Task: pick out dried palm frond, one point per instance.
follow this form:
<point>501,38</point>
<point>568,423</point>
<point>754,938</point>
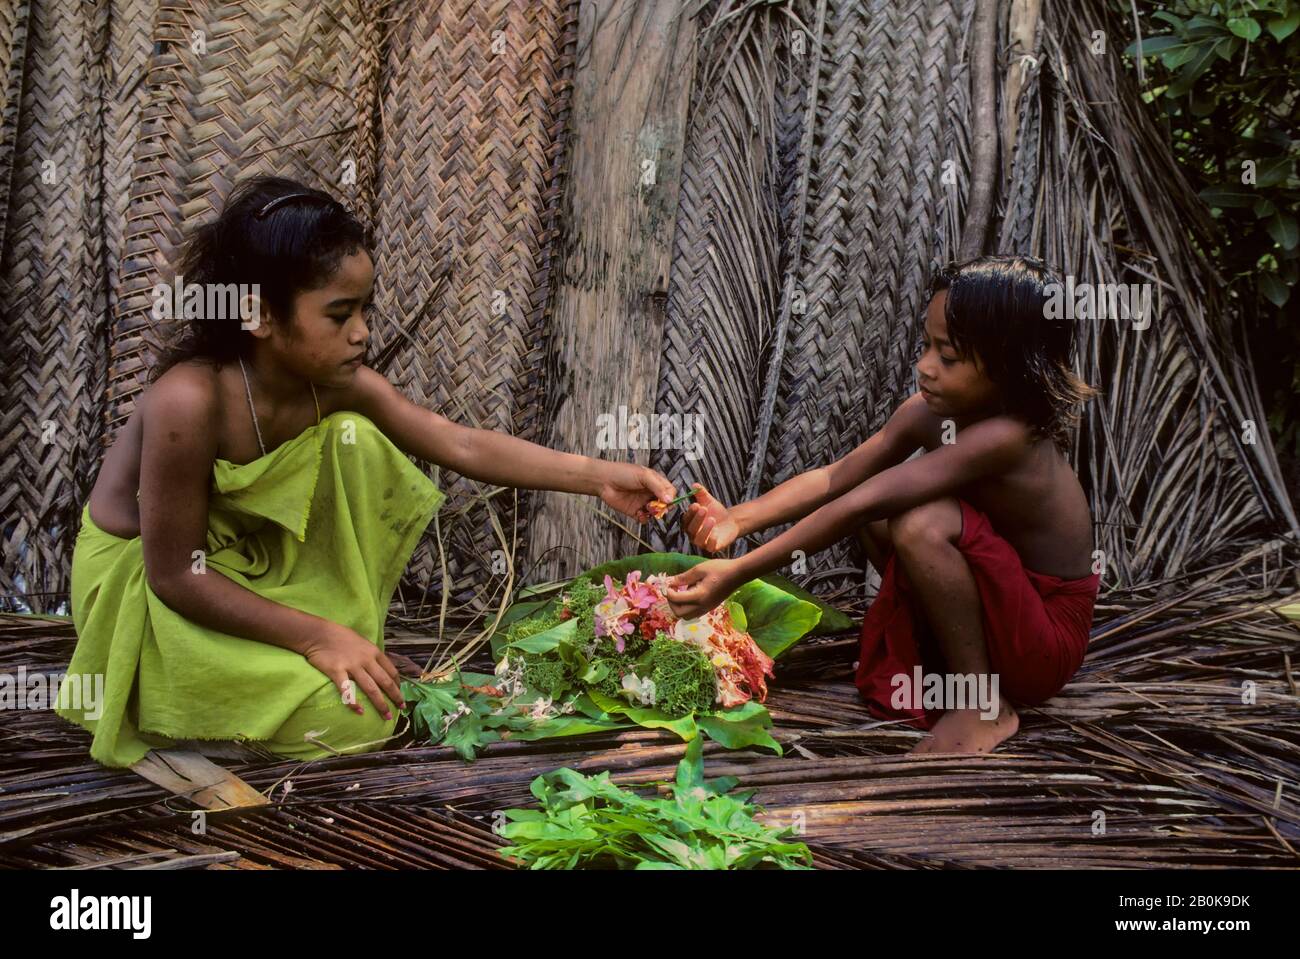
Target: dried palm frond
<point>1174,746</point>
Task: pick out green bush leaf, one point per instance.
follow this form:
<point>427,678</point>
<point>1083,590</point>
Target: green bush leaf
<point>1283,27</point>
<point>1274,171</point>
<point>1153,45</point>
<point>1282,228</point>
<point>1274,289</point>
<point>1247,28</point>
<point>1195,66</point>
<point>1229,196</point>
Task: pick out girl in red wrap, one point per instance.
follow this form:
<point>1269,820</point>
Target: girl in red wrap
<point>984,541</point>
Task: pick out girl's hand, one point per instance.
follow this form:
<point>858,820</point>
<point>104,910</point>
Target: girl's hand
<point>708,523</point>
<point>629,489</point>
<point>696,591</point>
<point>351,661</point>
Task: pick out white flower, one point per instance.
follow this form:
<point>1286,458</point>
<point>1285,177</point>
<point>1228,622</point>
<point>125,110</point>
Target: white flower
<point>503,667</point>
<point>541,709</point>
<point>643,690</point>
<point>696,631</point>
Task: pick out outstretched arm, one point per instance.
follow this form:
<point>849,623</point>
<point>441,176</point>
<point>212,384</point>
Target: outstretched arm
<point>500,459</point>
<point>983,449</point>
<point>713,527</point>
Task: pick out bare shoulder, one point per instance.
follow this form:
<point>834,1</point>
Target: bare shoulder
<point>186,403</point>
<point>1005,432</point>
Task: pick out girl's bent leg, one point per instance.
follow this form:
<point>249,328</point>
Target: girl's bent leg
<point>926,539</point>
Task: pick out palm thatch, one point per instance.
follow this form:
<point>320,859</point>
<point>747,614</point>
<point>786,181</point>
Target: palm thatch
<point>831,160</point>
<point>1152,757</point>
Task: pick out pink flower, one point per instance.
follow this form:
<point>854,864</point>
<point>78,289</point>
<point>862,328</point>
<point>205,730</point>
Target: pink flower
<point>639,595</point>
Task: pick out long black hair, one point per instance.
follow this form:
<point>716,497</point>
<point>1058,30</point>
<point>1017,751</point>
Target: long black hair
<point>996,308</point>
<point>279,234</point>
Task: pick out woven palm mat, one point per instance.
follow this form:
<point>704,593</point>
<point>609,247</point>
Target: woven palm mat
<point>1176,745</point>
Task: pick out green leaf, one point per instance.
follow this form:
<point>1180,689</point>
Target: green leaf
<point>565,726</point>
<point>514,614</point>
<point>1273,171</point>
<point>1263,208</point>
<point>1192,70</point>
<point>776,619</point>
<point>738,616</point>
<point>1283,229</point>
<point>1203,26</point>
<point>683,726</point>
<point>546,640</point>
<point>742,726</point>
<point>690,770</point>
<point>1274,289</point>
<point>1247,28</point>
<point>1283,27</point>
<point>832,620</point>
<point>1153,45</point>
<point>1229,196</point>
<point>1177,56</point>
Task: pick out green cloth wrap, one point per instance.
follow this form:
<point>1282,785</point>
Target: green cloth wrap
<point>324,523</point>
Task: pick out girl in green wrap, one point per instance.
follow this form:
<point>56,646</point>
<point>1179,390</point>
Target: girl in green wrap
<point>247,529</point>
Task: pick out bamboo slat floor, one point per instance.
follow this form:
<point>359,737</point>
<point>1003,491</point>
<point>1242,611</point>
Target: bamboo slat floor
<point>1155,756</point>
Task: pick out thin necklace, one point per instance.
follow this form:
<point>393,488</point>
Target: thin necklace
<point>252,409</point>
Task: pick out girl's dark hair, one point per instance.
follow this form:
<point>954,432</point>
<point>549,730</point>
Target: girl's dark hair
<point>996,308</point>
<point>274,232</point>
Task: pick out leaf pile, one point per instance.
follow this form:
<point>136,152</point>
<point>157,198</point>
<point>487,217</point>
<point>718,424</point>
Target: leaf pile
<point>587,822</point>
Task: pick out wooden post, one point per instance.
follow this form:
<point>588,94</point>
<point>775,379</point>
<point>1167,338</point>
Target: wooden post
<point>635,64</point>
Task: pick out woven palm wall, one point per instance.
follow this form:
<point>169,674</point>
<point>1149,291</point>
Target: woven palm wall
<point>826,173</point>
<point>439,124</point>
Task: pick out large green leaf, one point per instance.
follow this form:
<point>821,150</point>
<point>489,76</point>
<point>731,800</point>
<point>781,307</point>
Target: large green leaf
<point>776,619</point>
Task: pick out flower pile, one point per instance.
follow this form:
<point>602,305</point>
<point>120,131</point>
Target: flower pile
<point>607,653</point>
<point>631,645</point>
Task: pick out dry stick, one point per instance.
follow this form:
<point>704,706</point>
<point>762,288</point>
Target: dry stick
<point>985,154</point>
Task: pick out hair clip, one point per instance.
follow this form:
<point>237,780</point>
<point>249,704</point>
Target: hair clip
<point>281,200</point>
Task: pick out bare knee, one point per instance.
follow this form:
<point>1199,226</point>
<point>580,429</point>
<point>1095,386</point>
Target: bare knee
<point>934,523</point>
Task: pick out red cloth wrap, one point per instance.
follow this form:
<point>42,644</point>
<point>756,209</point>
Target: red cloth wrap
<point>1036,626</point>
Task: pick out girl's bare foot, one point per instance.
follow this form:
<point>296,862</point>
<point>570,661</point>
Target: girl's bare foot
<point>963,731</point>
